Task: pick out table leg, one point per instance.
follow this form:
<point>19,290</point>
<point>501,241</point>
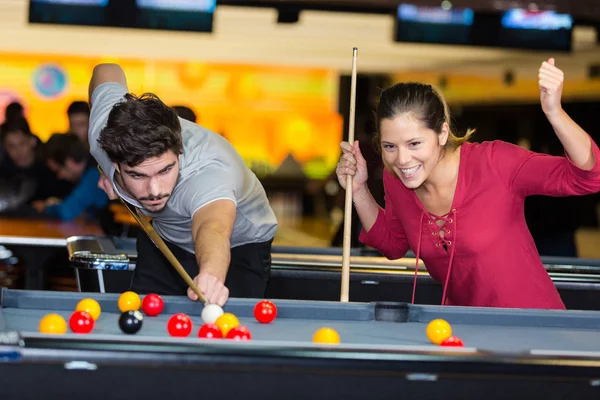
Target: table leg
<point>77,279</point>
<point>101,281</point>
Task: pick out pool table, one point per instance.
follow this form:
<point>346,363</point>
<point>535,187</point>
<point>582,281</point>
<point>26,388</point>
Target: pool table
<point>384,353</point>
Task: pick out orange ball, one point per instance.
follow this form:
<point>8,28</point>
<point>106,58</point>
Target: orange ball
<point>326,335</point>
<point>53,323</point>
<point>438,330</point>
<point>129,301</point>
<point>227,322</point>
<point>90,306</point>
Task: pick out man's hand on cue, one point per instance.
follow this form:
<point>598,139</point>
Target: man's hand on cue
<point>212,287</point>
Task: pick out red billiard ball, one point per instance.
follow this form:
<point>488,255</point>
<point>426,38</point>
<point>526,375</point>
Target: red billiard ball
<point>153,305</point>
<point>210,331</point>
<point>265,311</point>
<point>81,322</point>
<point>453,341</point>
<point>179,325</point>
<point>239,333</point>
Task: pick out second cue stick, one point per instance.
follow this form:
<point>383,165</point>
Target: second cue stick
<point>347,243</point>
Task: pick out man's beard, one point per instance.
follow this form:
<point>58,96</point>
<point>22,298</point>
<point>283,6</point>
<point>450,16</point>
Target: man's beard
<point>154,198</point>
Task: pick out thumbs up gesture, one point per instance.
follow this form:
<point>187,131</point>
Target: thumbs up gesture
<point>551,81</point>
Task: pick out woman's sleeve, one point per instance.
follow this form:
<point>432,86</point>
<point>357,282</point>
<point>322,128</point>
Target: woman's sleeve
<point>528,173</point>
<point>387,235</point>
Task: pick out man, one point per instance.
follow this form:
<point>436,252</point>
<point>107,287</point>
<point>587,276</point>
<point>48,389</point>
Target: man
<point>13,111</point>
<point>79,119</point>
<point>67,157</point>
<point>205,203</point>
<point>23,176</point>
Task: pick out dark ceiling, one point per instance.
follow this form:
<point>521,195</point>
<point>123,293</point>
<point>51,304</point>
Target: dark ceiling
<point>582,10</point>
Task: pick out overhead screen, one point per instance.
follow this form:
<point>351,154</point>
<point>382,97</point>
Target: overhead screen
<point>515,28</point>
<point>178,15</point>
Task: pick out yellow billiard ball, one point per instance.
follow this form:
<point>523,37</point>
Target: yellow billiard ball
<point>326,335</point>
<point>227,322</point>
<point>53,323</point>
<point>129,301</point>
<point>438,330</point>
<point>90,306</point>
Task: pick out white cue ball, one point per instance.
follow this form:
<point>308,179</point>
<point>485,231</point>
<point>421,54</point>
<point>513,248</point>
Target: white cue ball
<point>211,312</point>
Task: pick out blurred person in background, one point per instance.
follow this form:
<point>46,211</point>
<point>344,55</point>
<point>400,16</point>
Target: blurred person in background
<point>68,158</point>
<point>12,111</point>
<point>23,176</point>
<point>79,120</point>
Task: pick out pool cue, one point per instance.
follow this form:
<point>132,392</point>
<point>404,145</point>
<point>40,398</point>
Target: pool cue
<point>348,205</point>
<point>161,245</point>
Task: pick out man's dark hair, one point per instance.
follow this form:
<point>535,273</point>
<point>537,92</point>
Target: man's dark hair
<point>61,146</point>
<point>140,128</point>
<point>185,113</point>
<point>15,125</point>
<point>14,111</point>
<point>78,107</point>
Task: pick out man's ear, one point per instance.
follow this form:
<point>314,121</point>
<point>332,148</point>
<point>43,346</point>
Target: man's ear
<point>116,166</point>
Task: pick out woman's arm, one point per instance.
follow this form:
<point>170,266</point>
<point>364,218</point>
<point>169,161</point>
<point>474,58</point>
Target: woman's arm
<point>575,140</point>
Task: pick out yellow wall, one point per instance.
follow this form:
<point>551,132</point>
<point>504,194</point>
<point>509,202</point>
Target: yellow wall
<point>266,112</point>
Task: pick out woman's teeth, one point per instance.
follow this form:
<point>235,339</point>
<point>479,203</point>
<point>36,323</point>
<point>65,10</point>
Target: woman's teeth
<point>409,171</point>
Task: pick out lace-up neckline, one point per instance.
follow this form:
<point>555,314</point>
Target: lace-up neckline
<point>442,229</point>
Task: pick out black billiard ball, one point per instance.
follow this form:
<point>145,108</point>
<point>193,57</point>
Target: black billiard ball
<point>130,322</point>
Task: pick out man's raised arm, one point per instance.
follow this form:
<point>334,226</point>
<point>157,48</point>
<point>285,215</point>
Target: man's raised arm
<point>106,73</point>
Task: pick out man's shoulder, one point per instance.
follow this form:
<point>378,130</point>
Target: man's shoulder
<point>202,147</point>
<point>107,92</point>
<point>194,134</point>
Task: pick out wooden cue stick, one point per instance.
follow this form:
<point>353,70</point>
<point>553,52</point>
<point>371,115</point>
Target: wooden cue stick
<point>162,246</point>
<point>347,243</point>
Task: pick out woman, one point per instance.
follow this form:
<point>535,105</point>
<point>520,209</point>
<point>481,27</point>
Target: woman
<point>460,205</point>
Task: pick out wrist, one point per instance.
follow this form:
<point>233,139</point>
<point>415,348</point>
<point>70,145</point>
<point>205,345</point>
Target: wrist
<point>216,272</point>
<point>361,193</point>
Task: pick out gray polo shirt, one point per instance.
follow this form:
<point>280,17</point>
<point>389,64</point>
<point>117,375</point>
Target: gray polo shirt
<point>210,169</point>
